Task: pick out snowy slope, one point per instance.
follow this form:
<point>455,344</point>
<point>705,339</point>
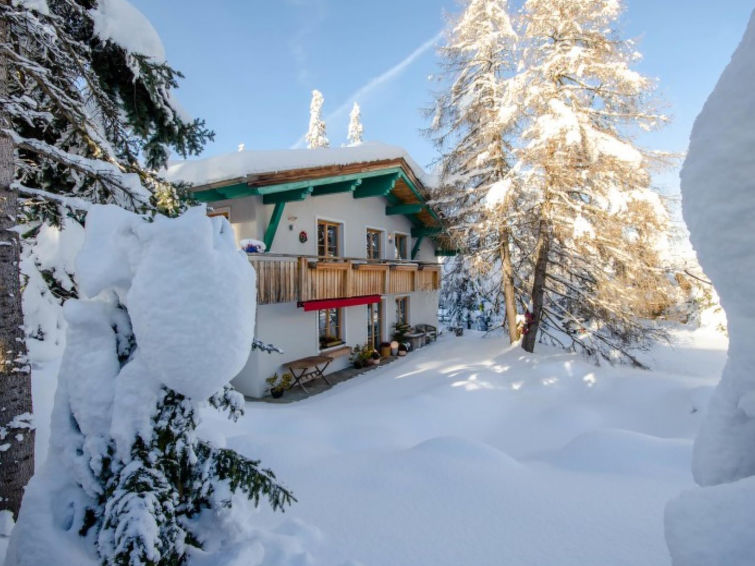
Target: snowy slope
<point>242,163</point>
<point>467,452</point>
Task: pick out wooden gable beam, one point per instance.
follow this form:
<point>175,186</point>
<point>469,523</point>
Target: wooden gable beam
<point>404,209</point>
<point>225,193</point>
<point>376,186</point>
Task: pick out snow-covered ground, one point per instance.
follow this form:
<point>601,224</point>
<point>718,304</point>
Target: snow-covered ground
<point>469,452</point>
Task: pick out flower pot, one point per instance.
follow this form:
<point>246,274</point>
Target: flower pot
<point>402,352</point>
<point>276,393</point>
<point>385,351</point>
<point>374,362</point>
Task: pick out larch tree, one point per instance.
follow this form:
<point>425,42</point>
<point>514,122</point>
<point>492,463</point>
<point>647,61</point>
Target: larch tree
<point>597,222</point>
<point>78,114</point>
<point>472,124</point>
<point>316,136</point>
<point>356,130</point>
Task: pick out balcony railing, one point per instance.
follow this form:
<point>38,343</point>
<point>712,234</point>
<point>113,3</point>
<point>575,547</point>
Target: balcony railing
<point>284,278</point>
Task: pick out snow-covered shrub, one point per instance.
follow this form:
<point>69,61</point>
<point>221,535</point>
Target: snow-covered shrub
<point>164,320</point>
<point>711,525</point>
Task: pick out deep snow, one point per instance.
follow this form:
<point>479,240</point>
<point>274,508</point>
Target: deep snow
<point>467,452</point>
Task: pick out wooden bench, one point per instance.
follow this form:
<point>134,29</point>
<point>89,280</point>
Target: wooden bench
<point>314,365</point>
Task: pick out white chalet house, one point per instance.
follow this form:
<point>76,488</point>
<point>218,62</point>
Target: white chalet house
<point>351,246</point>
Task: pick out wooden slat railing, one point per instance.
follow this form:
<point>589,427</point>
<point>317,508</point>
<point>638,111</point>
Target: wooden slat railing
<point>286,278</point>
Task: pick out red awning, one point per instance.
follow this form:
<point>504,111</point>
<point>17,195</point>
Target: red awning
<point>338,303</point>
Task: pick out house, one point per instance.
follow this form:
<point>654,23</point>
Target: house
<point>351,246</point>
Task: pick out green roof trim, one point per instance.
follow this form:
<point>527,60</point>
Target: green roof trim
<point>378,186</point>
<point>287,196</point>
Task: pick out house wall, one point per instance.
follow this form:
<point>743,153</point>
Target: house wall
<point>289,327</point>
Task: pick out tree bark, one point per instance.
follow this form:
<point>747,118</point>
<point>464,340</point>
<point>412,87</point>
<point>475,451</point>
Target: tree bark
<point>507,283</point>
<point>538,283</point>
<point>17,442</point>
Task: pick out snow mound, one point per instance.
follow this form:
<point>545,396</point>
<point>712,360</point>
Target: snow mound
<point>712,526</point>
<point>614,451</point>
<point>454,448</point>
<point>175,276</point>
<point>718,200</point>
<point>120,22</point>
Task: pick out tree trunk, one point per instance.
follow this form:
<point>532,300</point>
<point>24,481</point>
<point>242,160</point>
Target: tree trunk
<point>507,282</point>
<point>538,283</point>
<point>17,460</point>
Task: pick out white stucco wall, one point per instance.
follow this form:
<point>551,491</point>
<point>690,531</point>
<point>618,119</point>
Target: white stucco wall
<point>289,327</point>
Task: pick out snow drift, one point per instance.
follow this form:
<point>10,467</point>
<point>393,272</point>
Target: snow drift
<point>711,526</point>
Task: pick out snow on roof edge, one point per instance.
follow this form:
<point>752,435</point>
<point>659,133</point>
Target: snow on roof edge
<point>239,164</point>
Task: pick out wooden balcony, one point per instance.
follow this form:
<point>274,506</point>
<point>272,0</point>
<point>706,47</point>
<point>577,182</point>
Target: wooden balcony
<point>285,278</point>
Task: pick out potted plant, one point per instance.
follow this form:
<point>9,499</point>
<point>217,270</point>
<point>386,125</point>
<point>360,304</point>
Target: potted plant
<point>401,329</point>
<point>374,358</point>
<point>385,349</point>
<point>402,349</point>
<point>279,384</point>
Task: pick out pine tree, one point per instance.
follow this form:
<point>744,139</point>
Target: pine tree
<point>355,126</point>
<point>596,269</point>
<point>316,136</point>
<point>471,128</point>
<point>80,111</point>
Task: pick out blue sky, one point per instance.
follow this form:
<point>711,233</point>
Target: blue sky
<point>251,65</point>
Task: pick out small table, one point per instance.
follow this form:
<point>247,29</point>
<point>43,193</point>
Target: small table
<point>312,365</point>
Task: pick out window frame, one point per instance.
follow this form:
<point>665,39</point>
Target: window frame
<point>405,237</point>
<point>338,237</point>
<point>405,300</point>
<point>379,234</point>
<point>339,328</point>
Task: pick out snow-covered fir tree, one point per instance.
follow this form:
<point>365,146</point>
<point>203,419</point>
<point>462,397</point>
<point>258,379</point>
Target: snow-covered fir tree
<point>316,136</point>
<point>79,108</point>
<point>356,130</point>
<point>126,466</point>
<point>597,222</point>
<point>472,121</point>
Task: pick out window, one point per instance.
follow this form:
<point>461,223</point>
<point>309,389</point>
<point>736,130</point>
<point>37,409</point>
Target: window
<point>328,235</point>
<point>329,321</point>
<point>402,310</point>
<point>375,324</point>
<point>373,243</point>
<point>400,241</point>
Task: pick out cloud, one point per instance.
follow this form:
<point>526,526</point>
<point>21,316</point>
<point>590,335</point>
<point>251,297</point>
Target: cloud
<point>375,82</point>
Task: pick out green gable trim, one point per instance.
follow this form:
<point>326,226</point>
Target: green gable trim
<point>272,228</point>
<point>446,253</point>
<point>287,196</point>
<point>225,193</point>
<point>424,231</point>
<point>376,186</point>
<point>404,209</point>
<point>415,249</point>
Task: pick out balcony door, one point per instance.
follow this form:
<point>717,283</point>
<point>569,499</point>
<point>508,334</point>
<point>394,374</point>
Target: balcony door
<point>375,324</point>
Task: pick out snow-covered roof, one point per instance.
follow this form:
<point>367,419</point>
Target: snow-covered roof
<point>237,165</point>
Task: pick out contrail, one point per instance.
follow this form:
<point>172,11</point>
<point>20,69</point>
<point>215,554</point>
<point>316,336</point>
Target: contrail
<point>389,75</point>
